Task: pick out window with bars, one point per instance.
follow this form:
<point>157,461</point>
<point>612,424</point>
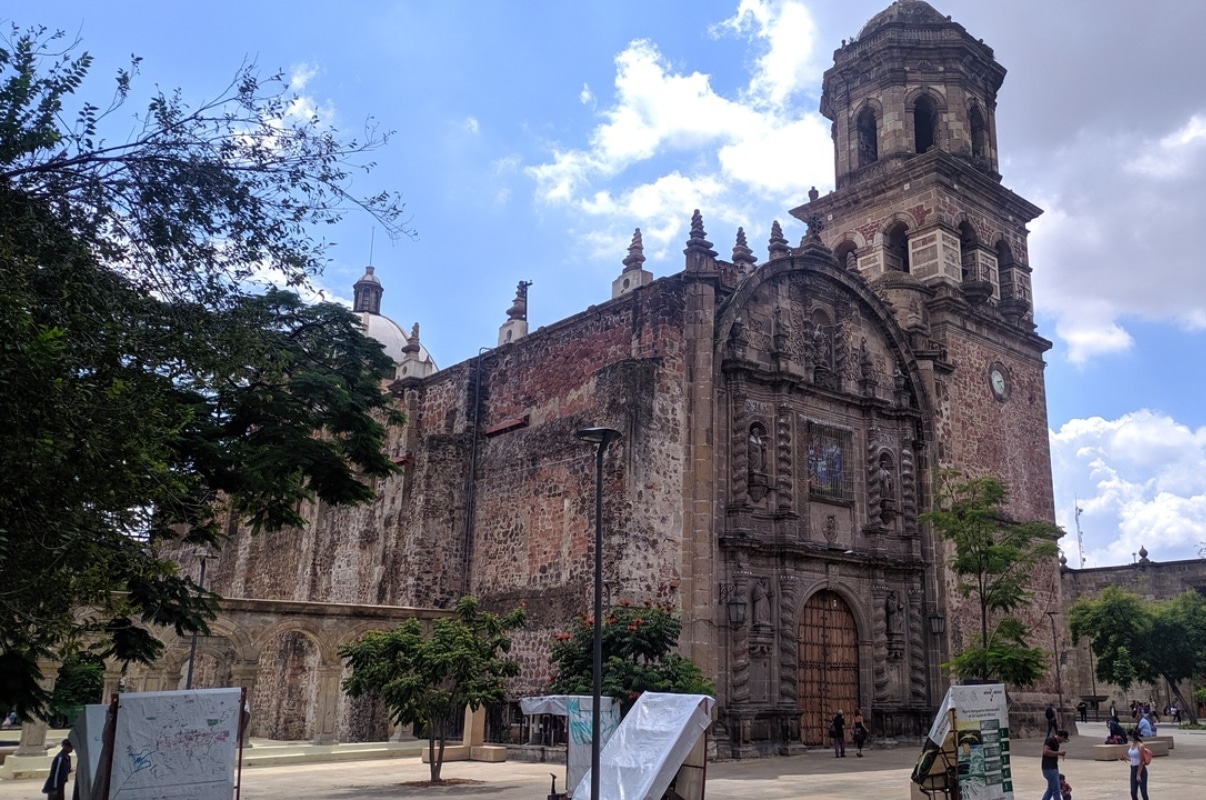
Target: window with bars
<point>830,473</point>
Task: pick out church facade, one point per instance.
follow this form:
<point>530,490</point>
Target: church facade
<point>785,419</point>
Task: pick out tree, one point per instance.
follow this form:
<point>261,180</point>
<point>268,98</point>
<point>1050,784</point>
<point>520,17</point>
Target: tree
<point>638,644</point>
<point>424,678</point>
<point>146,398</point>
<point>993,559</point>
<point>1139,641</point>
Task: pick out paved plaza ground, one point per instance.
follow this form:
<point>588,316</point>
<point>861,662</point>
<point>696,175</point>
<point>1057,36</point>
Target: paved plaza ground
<point>816,775</point>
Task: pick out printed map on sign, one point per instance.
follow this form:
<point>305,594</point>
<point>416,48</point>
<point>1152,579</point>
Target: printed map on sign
<point>175,744</point>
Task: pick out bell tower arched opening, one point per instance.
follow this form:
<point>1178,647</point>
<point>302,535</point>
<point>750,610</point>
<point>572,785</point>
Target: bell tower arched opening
<point>868,137</point>
<point>896,248</point>
<point>979,133</point>
<point>925,123</point>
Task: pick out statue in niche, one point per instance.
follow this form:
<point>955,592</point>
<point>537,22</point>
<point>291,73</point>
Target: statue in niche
<point>761,603</point>
<point>758,481</point>
<point>893,609</point>
<point>887,488</point>
<point>757,449</point>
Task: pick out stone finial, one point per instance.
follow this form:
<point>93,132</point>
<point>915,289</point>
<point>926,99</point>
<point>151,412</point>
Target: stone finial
<point>698,243</point>
<point>815,226</point>
<point>412,341</point>
<point>743,257</point>
<point>778,245</point>
<point>813,194</point>
<point>701,258</point>
<point>636,253</point>
<point>519,306</point>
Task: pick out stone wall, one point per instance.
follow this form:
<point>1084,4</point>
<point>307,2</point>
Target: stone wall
<point>1150,580</point>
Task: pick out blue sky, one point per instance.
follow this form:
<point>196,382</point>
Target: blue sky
<point>532,137</point>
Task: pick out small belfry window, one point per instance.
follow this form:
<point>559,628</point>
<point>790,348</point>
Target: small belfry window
<point>868,137</point>
<point>896,248</point>
<point>967,251</point>
<point>979,133</point>
<point>925,123</point>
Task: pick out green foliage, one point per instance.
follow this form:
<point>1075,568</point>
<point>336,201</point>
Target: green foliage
<point>1140,641</point>
<point>425,677</point>
<point>637,656</point>
<point>81,680</point>
<point>145,395</point>
<point>993,559</point>
<point>198,197</point>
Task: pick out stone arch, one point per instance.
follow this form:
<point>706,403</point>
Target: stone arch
<point>905,217</point>
<point>846,253</point>
<point>977,124</point>
<point>868,123</point>
<point>829,663</point>
<point>853,237</point>
<point>820,266</point>
<point>969,239</point>
<point>896,247</point>
<point>924,107</point>
<point>327,649</point>
<point>288,685</point>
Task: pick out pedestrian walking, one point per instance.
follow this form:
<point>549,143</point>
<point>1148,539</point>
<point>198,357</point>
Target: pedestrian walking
<point>837,731</point>
<point>1052,725</point>
<point>1083,708</point>
<point>55,787</point>
<point>860,732</point>
<point>1050,763</point>
<point>1138,756</point>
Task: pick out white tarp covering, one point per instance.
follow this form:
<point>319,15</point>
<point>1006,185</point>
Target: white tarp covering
<point>88,738</point>
<point>576,709</point>
<point>646,751</point>
<point>175,745</point>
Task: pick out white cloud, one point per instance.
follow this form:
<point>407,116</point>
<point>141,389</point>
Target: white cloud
<point>586,96</point>
<point>1172,156</point>
<point>470,125</point>
<point>1112,246</point>
<point>787,35</point>
<point>1141,481</point>
<point>300,75</point>
<point>669,142</point>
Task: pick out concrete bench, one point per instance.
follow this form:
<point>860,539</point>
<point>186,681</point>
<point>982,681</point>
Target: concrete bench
<point>1168,739</point>
<point>1113,752</point>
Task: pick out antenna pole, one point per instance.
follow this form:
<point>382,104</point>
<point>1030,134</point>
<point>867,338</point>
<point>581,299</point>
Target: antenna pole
<point>1080,537</point>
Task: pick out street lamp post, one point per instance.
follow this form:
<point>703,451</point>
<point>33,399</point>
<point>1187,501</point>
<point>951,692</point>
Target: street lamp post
<point>601,438</point>
<point>1059,685</point>
<point>192,648</point>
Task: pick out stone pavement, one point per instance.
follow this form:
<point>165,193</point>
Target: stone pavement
<point>816,775</point>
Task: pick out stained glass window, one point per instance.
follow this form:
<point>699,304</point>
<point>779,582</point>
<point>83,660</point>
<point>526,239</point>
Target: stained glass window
<point>830,473</point>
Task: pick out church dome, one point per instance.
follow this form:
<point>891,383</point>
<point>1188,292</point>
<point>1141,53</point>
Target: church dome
<point>398,346</point>
<point>386,331</point>
<point>906,12</point>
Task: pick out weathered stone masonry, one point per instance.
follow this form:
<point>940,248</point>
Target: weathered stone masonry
<point>784,425</point>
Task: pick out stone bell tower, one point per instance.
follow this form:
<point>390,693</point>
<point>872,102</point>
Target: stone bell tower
<point>919,210</point>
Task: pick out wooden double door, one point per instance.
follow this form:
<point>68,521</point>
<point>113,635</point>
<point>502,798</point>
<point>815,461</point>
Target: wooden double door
<point>828,676</point>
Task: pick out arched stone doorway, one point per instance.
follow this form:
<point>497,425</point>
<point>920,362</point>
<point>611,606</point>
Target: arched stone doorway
<point>828,677</point>
<point>287,691</point>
